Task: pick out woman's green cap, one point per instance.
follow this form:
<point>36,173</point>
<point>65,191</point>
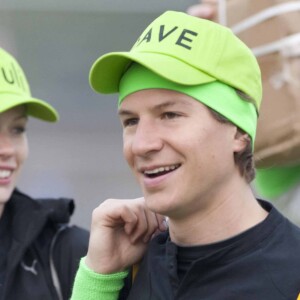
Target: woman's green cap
<point>185,50</point>
<point>15,90</point>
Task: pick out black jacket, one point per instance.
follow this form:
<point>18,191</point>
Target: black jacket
<point>44,251</point>
<point>262,263</point>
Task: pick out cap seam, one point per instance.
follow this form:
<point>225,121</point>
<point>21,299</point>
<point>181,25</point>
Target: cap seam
<point>13,93</point>
<point>161,53</point>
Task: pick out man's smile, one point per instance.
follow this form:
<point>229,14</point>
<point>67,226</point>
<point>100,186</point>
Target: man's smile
<point>158,171</point>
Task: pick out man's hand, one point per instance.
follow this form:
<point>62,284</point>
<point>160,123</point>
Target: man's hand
<point>120,232</point>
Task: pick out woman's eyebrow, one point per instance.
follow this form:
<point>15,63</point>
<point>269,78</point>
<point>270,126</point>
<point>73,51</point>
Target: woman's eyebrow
<point>21,116</point>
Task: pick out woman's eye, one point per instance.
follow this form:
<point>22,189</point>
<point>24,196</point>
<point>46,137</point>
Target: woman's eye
<point>19,129</point>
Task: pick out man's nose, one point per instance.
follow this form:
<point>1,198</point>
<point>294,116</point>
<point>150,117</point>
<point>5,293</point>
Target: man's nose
<point>147,139</point>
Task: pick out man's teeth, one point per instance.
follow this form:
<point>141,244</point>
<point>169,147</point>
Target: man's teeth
<point>161,169</point>
<point>4,174</point>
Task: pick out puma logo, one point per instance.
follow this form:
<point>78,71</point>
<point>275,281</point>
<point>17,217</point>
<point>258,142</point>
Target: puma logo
<point>31,268</point>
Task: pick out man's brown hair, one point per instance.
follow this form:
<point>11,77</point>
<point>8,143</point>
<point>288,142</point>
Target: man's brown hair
<point>244,159</point>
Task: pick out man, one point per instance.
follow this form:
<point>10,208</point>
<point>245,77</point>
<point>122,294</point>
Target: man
<point>189,96</point>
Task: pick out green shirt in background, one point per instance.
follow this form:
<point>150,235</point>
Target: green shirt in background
<point>274,182</point>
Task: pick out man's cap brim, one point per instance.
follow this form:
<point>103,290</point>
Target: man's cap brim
<point>107,71</point>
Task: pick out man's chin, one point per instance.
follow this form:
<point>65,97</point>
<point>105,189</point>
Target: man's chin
<point>158,204</point>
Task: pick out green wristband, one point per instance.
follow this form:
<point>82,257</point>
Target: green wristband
<point>94,286</point>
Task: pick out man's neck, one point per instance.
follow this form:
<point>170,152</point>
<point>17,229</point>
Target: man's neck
<point>230,214</point>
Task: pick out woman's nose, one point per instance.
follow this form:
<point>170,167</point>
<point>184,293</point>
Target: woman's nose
<point>6,145</point>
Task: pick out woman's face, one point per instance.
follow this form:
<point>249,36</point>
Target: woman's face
<point>13,150</point>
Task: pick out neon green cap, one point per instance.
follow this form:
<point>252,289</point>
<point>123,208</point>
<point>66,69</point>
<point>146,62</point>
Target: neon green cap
<point>185,50</point>
<point>219,96</point>
<point>15,90</point>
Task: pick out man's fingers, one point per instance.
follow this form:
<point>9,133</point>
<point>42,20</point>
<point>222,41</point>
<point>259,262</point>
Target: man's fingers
<point>162,222</point>
<point>152,225</point>
<point>144,224</point>
<point>132,216</point>
<point>130,220</point>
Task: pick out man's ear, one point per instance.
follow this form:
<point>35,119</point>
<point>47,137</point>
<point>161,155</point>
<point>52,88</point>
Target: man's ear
<point>241,140</point>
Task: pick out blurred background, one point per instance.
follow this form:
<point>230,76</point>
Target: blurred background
<point>56,43</point>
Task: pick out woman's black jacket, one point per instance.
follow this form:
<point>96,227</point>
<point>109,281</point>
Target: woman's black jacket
<point>44,251</point>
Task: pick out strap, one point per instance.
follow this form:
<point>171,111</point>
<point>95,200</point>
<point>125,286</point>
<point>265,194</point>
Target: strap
<point>255,19</point>
<point>266,14</point>
<point>222,12</point>
<point>288,46</point>
<point>54,275</point>
<point>135,269</point>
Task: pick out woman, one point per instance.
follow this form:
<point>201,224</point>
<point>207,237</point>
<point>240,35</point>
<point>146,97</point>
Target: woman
<point>39,253</point>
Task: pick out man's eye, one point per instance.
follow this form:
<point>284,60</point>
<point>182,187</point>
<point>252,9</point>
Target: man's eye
<point>170,115</point>
<point>130,122</point>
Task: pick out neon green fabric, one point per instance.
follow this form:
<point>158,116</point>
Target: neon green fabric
<point>94,286</point>
<point>216,95</point>
<point>186,50</point>
<point>15,90</point>
<point>274,182</point>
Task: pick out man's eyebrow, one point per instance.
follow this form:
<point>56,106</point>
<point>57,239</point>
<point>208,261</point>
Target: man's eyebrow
<point>171,104</point>
<point>164,105</point>
<point>158,107</point>
<point>125,112</point>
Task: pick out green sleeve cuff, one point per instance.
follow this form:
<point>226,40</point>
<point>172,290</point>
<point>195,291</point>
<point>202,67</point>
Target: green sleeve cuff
<point>94,286</point>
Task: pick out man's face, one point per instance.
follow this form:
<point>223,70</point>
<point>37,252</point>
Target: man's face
<point>181,156</point>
